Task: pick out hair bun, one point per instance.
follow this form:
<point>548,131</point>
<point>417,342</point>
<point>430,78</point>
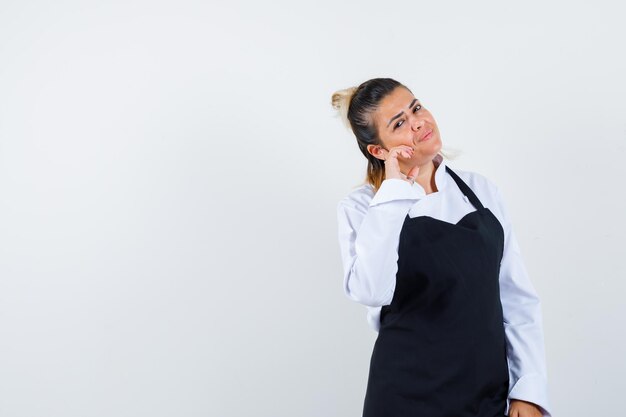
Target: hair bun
<point>341,102</point>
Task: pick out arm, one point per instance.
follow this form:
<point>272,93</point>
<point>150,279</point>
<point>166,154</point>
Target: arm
<point>523,326</point>
<point>368,239</point>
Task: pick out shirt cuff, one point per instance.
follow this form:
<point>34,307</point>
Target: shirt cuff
<point>397,189</point>
<point>532,388</point>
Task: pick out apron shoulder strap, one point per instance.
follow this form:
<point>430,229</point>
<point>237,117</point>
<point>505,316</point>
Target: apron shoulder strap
<point>465,189</point>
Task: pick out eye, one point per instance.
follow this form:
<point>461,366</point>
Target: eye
<point>415,110</point>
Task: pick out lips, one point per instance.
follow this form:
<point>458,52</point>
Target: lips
<point>426,136</point>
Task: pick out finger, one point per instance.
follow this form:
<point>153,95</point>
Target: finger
<point>405,152</point>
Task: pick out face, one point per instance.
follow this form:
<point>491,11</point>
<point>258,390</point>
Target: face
<point>402,120</point>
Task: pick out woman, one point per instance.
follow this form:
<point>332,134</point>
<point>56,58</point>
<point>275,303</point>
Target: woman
<point>431,252</point>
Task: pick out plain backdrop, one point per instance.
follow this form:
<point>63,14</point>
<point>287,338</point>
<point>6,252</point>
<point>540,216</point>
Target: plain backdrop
<point>169,174</point>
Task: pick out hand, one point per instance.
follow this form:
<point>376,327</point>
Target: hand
<point>520,408</point>
<point>392,166</point>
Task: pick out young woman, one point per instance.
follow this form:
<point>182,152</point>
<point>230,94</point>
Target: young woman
<point>431,252</point>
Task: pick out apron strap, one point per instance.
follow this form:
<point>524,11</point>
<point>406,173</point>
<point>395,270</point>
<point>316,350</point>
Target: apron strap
<point>465,189</point>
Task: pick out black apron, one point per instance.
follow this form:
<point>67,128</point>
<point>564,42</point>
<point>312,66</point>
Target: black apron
<point>441,350</point>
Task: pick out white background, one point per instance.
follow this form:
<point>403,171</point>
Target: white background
<point>169,174</point>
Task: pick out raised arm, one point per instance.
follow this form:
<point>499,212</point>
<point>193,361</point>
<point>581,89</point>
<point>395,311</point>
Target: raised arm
<point>368,238</point>
<point>523,326</point>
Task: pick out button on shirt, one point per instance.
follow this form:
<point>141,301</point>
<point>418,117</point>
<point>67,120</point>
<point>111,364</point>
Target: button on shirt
<point>369,231</point>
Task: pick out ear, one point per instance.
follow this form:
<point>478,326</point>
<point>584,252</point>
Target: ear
<point>375,151</point>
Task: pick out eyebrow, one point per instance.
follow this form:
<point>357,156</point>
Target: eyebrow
<point>400,114</point>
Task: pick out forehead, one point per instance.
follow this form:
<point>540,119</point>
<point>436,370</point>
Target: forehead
<point>398,100</point>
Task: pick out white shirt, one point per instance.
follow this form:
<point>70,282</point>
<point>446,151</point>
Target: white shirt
<point>369,231</point>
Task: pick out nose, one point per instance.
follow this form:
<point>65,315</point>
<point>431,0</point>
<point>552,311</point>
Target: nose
<point>418,122</point>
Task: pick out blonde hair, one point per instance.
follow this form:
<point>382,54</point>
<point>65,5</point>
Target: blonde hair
<point>341,101</point>
<point>355,106</point>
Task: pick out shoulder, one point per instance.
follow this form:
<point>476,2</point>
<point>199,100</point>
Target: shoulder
<point>358,198</point>
<point>479,183</point>
<point>485,189</point>
<point>487,192</point>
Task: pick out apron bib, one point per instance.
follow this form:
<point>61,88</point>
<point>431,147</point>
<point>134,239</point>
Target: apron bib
<point>441,350</point>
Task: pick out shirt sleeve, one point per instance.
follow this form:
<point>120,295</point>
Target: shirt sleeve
<point>523,325</point>
<point>368,239</point>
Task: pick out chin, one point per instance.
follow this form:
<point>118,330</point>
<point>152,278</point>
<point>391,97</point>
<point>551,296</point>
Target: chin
<point>434,146</point>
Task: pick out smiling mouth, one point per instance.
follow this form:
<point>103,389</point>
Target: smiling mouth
<point>426,136</point>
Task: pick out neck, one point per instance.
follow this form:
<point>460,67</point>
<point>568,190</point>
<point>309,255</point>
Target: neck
<point>426,177</point>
